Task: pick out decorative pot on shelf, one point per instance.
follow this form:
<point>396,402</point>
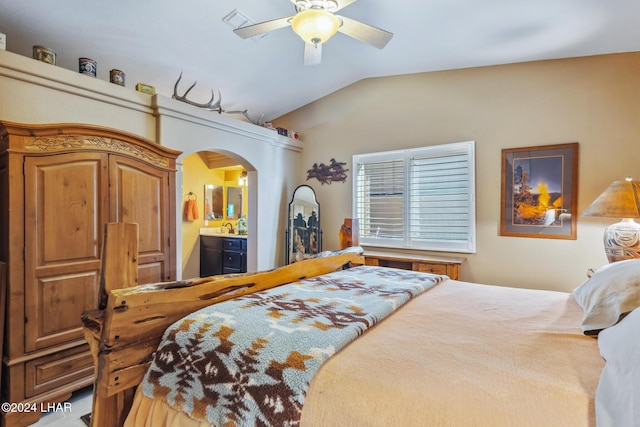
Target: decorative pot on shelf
<point>88,67</point>
<point>116,77</point>
<point>44,54</point>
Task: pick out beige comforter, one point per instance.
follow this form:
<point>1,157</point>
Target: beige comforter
<point>461,354</point>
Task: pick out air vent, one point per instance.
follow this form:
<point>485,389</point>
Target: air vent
<point>236,19</point>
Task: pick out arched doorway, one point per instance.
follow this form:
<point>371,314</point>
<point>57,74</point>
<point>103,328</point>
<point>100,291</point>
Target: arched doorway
<point>211,178</point>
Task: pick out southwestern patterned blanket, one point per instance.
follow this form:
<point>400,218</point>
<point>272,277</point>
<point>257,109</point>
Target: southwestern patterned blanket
<point>250,360</point>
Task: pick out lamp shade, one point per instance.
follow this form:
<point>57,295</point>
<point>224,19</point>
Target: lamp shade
<point>620,200</point>
<point>315,25</point>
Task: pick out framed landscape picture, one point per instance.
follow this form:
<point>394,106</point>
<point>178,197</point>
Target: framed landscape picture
<point>539,191</point>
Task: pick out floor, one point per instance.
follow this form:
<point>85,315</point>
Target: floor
<point>78,405</point>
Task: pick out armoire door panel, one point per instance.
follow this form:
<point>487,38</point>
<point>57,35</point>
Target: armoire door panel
<point>139,197</point>
<point>150,272</point>
<point>65,209</point>
<point>64,193</point>
<point>68,294</point>
<point>139,194</point>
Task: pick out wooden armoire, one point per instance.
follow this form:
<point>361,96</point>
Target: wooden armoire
<point>59,185</point>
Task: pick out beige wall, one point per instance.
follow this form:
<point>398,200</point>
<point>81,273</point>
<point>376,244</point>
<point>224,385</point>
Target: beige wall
<point>35,92</point>
<point>594,101</point>
<point>266,156</point>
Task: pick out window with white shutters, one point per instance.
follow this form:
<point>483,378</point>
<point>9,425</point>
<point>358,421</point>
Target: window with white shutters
<point>420,198</point>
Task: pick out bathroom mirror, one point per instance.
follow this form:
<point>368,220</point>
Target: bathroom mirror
<point>213,202</point>
<point>304,235</point>
<point>234,202</point>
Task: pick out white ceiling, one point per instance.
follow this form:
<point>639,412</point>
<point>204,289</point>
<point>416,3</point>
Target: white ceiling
<point>152,41</point>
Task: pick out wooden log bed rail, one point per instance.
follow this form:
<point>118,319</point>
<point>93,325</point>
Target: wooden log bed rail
<point>126,328</point>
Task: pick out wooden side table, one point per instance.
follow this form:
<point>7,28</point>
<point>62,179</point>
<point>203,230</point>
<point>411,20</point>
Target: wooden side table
<point>449,266</point>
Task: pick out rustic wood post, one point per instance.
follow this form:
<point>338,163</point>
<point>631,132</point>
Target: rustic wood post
<point>119,270</point>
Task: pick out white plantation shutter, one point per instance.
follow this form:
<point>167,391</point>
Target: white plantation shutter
<point>380,200</point>
<point>420,198</point>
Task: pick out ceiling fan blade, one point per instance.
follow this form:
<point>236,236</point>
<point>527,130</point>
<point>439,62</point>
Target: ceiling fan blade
<point>263,27</point>
<point>312,54</point>
<point>344,3</point>
<point>365,33</point>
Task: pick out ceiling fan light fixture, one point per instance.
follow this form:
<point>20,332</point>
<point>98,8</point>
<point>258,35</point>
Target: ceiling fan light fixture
<point>315,25</point>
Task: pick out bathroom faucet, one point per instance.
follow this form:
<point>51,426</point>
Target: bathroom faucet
<point>229,226</point>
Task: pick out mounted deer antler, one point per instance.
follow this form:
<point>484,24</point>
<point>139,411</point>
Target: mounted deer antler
<point>213,106</point>
<point>259,121</point>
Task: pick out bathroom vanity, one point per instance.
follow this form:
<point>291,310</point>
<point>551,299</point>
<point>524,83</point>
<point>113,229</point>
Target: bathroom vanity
<point>222,254</point>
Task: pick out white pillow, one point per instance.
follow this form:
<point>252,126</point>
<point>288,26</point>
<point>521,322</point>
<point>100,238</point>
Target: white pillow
<point>612,291</point>
<point>618,393</point>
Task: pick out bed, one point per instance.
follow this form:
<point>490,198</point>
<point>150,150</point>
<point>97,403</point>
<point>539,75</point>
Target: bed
<point>427,351</point>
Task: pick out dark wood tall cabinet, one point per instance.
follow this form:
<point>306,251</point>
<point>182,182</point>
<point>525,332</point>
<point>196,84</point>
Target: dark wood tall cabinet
<point>59,185</point>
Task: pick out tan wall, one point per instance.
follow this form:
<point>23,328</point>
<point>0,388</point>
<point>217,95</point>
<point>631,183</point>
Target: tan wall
<point>266,156</point>
<point>35,92</point>
<point>594,101</point>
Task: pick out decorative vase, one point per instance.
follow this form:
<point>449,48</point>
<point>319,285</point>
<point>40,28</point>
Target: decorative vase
<point>87,66</point>
<point>242,225</point>
<point>116,77</point>
<point>622,240</point>
<point>44,54</point>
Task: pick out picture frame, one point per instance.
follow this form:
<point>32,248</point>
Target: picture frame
<point>539,191</point>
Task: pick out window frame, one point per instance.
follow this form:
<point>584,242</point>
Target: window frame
<point>405,155</point>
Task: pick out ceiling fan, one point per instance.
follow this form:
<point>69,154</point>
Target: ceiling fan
<point>315,22</point>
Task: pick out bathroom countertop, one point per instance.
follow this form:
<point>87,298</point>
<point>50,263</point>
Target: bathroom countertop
<point>215,232</point>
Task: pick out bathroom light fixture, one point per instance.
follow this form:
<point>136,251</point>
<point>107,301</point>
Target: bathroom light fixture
<point>242,179</point>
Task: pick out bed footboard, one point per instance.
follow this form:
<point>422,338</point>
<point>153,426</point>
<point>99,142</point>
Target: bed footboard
<point>126,330</point>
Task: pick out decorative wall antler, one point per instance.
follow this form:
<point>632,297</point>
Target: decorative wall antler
<point>259,121</point>
<point>213,106</point>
